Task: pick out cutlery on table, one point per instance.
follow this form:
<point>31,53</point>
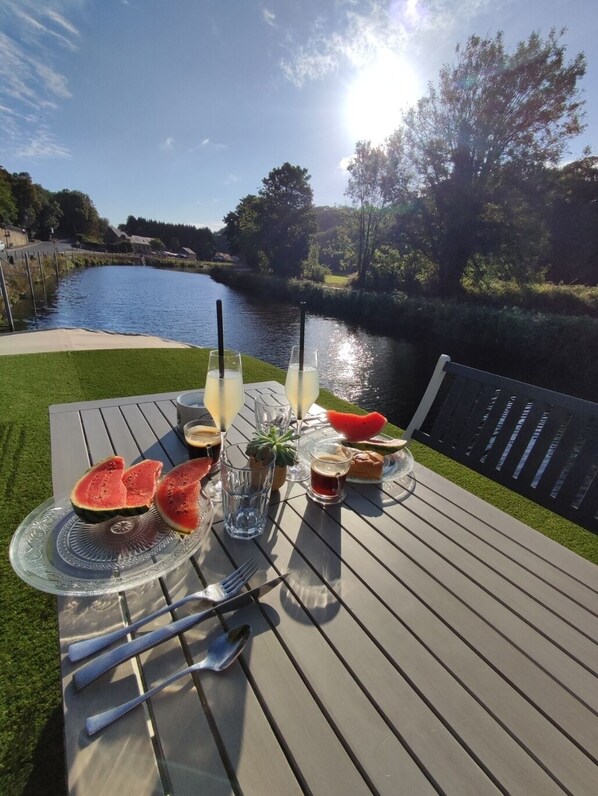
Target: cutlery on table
<point>103,663</point>
<point>214,593</point>
<point>221,653</point>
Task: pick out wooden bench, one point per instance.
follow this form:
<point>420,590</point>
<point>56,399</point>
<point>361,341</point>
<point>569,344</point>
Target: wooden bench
<point>540,443</point>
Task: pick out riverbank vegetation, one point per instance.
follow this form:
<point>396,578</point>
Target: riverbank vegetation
<point>568,342</point>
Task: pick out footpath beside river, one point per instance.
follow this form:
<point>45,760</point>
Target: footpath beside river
<point>78,340</point>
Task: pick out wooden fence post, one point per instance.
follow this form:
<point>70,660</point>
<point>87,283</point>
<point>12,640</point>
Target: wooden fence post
<point>30,283</point>
<point>41,271</point>
<point>11,323</point>
<point>56,266</point>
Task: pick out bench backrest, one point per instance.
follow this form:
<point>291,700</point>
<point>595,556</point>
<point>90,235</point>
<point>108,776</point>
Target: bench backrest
<point>537,442</point>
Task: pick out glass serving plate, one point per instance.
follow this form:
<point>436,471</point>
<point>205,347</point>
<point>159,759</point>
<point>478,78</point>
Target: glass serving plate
<point>396,466</point>
<point>56,552</point>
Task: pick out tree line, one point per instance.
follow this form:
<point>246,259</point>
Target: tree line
<point>468,188</point>
<point>72,214</point>
<point>174,236</point>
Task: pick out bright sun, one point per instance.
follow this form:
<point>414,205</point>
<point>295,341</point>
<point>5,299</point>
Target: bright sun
<point>377,96</point>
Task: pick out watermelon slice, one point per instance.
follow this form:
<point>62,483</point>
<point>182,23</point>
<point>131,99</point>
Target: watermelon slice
<point>141,481</point>
<point>100,493</point>
<point>177,496</point>
<point>356,427</point>
<point>108,490</point>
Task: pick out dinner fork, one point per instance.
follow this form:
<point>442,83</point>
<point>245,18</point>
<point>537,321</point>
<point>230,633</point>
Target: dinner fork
<point>214,593</point>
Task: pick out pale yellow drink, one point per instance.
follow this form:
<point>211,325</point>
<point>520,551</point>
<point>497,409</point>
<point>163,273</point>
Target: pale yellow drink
<point>302,388</point>
<point>224,397</point>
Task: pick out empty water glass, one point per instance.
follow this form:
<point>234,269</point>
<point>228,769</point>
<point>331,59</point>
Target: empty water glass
<point>246,488</point>
<point>271,412</point>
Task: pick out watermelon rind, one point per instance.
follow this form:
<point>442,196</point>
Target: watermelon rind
<point>385,447</point>
<point>178,493</point>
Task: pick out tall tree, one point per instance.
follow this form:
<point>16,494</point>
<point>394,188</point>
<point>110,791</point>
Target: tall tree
<point>244,230</point>
<point>574,223</point>
<point>79,215</point>
<point>368,189</point>
<point>288,224</point>
<point>8,206</point>
<point>491,112</point>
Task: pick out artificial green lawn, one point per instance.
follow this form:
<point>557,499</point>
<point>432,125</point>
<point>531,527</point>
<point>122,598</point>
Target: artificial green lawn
<point>31,753</point>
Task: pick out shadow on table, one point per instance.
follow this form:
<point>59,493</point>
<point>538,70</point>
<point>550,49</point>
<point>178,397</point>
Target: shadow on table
<point>372,501</point>
<point>315,566</point>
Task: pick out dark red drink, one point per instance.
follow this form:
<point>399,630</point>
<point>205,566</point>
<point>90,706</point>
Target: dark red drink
<point>328,475</point>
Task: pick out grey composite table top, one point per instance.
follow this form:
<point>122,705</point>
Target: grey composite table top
<point>423,642</point>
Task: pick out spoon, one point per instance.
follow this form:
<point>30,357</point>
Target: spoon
<point>221,653</point>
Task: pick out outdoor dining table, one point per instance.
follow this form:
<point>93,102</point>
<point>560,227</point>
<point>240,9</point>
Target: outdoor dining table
<point>423,642</point>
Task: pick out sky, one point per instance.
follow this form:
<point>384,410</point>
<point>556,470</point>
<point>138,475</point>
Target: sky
<point>175,110</point>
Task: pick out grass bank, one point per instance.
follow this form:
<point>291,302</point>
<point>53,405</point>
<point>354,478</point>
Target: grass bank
<point>31,752</point>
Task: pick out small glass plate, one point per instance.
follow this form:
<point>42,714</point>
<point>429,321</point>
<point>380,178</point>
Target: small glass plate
<point>56,552</point>
<point>396,465</point>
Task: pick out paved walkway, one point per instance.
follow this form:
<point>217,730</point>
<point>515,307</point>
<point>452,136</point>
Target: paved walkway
<point>78,340</point>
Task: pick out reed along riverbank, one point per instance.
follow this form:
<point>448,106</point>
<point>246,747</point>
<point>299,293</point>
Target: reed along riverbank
<point>563,349</point>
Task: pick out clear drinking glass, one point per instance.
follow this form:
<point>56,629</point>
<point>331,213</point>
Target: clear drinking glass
<point>223,397</point>
<point>270,413</point>
<point>302,387</point>
<point>246,488</point>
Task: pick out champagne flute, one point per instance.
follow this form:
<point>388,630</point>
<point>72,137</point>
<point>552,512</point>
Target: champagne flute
<point>302,387</point>
<point>223,397</point>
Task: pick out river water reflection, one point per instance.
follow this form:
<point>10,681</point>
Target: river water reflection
<point>373,371</point>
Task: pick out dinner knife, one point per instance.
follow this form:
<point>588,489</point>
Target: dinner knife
<point>103,663</point>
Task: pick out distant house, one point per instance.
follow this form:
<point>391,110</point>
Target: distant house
<point>114,235</point>
<point>188,253</point>
<point>223,257</point>
<point>141,244</point>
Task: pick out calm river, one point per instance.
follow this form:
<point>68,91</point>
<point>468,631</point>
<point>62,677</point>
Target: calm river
<point>376,372</point>
<point>373,371</point>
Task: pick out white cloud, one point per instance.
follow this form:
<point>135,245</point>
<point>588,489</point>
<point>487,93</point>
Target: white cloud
<point>62,22</point>
<point>230,179</point>
<point>344,162</point>
<point>42,145</point>
<point>31,77</point>
<point>168,144</point>
<point>53,81</point>
<point>210,145</point>
<point>269,17</point>
<point>359,36</point>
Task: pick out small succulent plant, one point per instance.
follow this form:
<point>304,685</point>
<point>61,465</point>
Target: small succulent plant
<point>262,446</point>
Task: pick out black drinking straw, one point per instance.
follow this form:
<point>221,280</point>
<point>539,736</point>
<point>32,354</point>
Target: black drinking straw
<point>220,337</point>
<point>301,335</point>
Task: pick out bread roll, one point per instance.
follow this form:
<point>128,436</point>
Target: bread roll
<point>367,465</point>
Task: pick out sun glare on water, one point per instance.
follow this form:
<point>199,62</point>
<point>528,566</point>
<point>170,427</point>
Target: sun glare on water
<point>378,96</point>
